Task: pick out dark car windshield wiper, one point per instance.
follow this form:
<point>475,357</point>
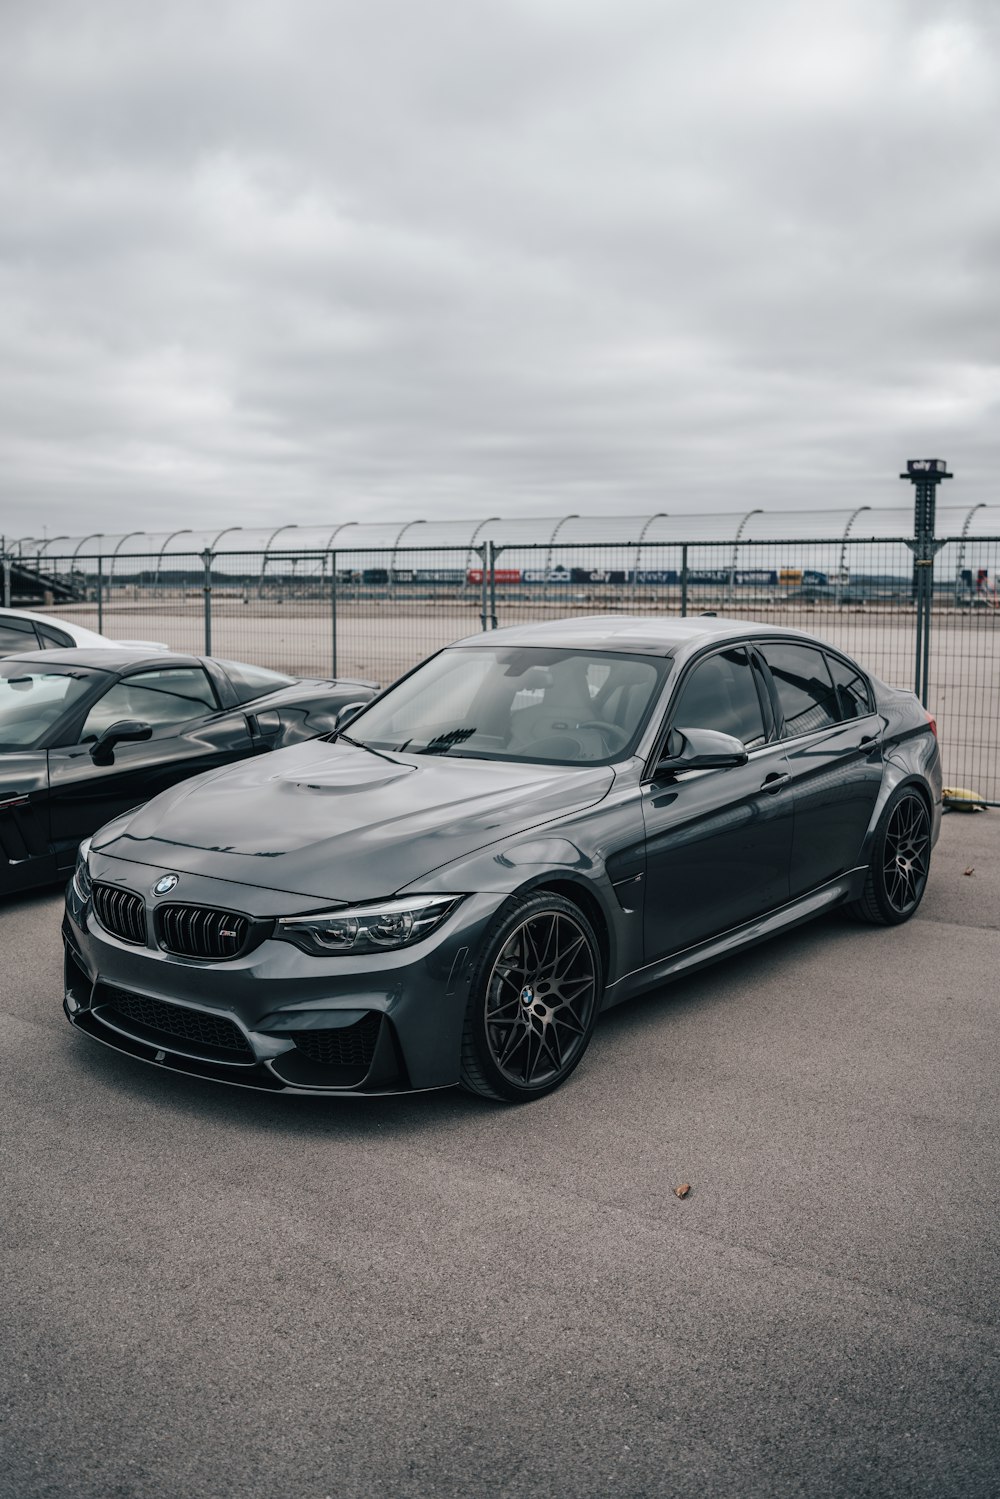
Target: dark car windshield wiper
<point>359,744</point>
<point>442,743</point>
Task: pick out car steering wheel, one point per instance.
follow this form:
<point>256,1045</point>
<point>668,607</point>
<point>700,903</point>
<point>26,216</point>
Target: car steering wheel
<point>615,729</point>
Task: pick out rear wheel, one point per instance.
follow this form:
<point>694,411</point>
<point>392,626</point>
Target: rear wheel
<point>534,1000</point>
<point>901,855</point>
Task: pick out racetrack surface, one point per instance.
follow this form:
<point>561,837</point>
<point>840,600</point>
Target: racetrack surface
<point>212,1293</point>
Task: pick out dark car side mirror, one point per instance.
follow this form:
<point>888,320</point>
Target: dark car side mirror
<point>102,751</point>
<point>701,749</point>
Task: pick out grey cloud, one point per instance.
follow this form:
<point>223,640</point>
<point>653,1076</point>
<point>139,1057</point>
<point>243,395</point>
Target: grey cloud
<point>269,260</point>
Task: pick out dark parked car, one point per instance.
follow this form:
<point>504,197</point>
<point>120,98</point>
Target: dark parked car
<point>86,734</point>
<point>532,826</point>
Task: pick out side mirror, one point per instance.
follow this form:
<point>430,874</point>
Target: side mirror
<point>347,713</point>
<point>701,749</point>
<point>102,751</point>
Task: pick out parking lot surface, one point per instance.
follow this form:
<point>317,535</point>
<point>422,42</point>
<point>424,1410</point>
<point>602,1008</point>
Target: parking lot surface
<point>215,1293</point>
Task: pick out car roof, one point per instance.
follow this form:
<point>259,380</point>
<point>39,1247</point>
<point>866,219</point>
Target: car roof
<point>48,619</point>
<point>639,634</point>
<point>106,657</point>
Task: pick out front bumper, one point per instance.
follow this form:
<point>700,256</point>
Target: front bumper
<point>275,1018</point>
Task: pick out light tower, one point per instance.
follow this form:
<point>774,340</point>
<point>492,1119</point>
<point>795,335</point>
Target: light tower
<point>925,474</point>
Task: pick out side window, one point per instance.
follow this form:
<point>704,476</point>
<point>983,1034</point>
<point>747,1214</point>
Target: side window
<point>52,637</point>
<point>17,635</point>
<point>805,690</point>
<point>721,694</point>
<point>853,697</point>
<point>165,699</point>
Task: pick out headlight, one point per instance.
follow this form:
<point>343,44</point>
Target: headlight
<point>390,923</point>
<point>81,875</point>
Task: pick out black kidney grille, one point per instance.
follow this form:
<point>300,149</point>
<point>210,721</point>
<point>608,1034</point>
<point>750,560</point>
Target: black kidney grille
<point>201,932</point>
<point>201,1031</point>
<point>349,1046</point>
<point>121,912</point>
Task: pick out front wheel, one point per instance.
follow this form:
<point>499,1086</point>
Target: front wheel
<point>534,1000</point>
<point>900,861</point>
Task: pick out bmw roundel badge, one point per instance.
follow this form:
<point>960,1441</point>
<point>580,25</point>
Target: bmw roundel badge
<point>165,884</point>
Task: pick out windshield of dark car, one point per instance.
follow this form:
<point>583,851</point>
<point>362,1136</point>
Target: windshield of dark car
<point>33,699</point>
<point>566,706</point>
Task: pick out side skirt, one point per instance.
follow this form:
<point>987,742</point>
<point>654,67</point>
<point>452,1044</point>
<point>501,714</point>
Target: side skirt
<point>845,887</point>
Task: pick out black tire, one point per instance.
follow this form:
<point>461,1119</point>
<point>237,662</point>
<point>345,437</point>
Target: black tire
<point>518,1045</point>
<point>900,862</point>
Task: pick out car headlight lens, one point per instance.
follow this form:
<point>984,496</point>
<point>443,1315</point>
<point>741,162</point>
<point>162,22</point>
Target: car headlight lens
<point>374,928</point>
<point>82,882</point>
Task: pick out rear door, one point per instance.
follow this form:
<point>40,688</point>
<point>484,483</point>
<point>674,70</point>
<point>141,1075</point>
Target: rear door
<point>718,842</point>
<point>190,734</point>
<point>833,741</point>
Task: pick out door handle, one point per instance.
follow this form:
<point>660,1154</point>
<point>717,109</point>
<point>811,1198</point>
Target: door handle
<point>867,739</point>
<point>775,781</point>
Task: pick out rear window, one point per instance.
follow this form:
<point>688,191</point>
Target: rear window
<point>253,681</point>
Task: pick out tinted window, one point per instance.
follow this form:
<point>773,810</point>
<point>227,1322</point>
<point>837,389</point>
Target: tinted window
<point>34,699</point>
<point>162,698</point>
<point>53,637</point>
<point>253,681</point>
<point>17,635</point>
<point>853,698</point>
<point>804,687</point>
<point>721,694</point>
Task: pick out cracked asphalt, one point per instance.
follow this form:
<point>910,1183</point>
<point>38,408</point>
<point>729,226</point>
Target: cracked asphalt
<point>210,1293</point>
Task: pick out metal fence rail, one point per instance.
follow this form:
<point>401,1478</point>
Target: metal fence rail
<point>373,612</point>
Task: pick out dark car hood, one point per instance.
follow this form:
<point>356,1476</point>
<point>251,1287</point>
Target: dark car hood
<point>342,824</point>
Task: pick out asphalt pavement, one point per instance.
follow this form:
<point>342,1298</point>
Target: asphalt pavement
<point>213,1293</point>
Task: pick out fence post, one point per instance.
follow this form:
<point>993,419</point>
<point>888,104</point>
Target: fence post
<point>333,614</point>
<point>6,582</point>
<point>925,474</point>
<point>493,584</point>
<point>684,581</point>
<point>100,595</point>
<point>484,590</point>
<point>206,589</point>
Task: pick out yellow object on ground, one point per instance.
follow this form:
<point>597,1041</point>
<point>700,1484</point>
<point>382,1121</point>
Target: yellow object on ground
<point>961,799</point>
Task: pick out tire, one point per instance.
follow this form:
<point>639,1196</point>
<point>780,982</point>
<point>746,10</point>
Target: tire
<point>517,1045</point>
<point>900,861</point>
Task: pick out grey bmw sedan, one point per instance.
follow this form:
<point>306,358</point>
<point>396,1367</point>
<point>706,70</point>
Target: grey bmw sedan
<point>532,826</point>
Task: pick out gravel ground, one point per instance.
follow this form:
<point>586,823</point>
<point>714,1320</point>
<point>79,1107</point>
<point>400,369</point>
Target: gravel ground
<point>209,1293</point>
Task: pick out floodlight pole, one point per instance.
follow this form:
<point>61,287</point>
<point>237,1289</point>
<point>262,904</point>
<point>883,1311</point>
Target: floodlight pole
<point>925,474</point>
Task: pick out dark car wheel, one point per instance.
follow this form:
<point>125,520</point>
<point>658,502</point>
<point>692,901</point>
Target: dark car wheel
<point>534,1000</point>
<point>901,855</point>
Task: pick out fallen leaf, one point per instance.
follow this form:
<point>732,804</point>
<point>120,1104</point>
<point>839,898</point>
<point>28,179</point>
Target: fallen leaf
<point>971,870</point>
<point>682,1190</point>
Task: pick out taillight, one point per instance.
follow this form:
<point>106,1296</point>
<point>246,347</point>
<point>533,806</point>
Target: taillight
<point>932,724</point>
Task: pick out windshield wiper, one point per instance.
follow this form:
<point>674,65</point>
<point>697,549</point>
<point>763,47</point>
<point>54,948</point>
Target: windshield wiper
<point>442,743</point>
<point>358,744</point>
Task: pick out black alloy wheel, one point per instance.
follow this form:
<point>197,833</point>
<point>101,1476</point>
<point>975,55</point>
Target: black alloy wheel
<point>901,855</point>
<point>534,1000</point>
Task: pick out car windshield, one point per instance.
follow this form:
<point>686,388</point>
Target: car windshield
<point>33,699</point>
<point>567,706</point>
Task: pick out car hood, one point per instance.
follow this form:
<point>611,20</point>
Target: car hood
<point>343,824</point>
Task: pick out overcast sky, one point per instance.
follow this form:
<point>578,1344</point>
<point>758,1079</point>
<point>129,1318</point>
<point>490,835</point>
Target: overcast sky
<point>275,260</point>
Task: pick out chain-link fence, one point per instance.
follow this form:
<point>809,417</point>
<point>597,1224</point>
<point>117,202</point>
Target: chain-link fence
<point>375,613</point>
